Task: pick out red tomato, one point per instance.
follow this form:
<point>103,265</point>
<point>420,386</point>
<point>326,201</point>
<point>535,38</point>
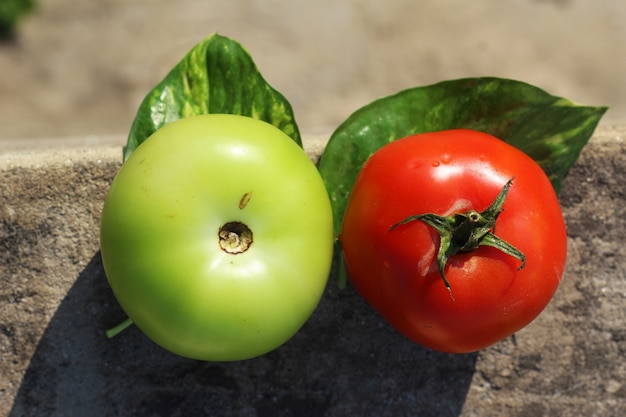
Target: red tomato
<point>395,268</point>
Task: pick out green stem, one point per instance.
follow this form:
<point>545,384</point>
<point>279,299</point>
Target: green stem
<point>342,274</point>
<point>114,331</point>
<point>464,232</point>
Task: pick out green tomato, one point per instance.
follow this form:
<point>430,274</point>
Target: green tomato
<point>217,237</point>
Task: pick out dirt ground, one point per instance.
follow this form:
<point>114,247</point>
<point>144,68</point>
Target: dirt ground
<point>75,76</point>
<point>80,69</point>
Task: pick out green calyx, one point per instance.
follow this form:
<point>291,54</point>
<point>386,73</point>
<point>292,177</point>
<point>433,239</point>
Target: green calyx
<point>464,232</point>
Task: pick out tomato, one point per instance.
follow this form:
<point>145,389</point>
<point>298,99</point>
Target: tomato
<point>391,256</point>
<point>216,237</point>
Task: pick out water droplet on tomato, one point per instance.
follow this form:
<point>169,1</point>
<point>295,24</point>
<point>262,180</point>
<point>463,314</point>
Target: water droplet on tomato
<point>435,163</point>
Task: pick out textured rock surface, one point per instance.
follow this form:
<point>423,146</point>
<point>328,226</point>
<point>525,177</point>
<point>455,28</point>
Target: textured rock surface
<point>55,304</point>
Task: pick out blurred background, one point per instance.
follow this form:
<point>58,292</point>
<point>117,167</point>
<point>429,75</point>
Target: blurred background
<point>79,69</point>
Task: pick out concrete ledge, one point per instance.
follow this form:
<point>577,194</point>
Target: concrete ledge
<point>55,304</point>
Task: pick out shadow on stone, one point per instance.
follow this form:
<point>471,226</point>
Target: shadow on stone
<point>346,361</point>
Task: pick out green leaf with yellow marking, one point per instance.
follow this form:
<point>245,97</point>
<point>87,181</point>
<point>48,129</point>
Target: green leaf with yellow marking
<point>551,129</point>
<point>216,76</point>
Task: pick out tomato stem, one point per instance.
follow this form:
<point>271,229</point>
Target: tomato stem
<point>114,331</point>
<point>235,237</point>
<point>464,232</point>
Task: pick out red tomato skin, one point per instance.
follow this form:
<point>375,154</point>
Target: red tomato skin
<point>396,271</point>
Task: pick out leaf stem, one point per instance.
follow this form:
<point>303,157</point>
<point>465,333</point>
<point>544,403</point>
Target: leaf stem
<point>342,274</point>
<point>114,331</point>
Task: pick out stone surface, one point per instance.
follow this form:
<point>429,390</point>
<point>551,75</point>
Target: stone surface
<point>55,304</point>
